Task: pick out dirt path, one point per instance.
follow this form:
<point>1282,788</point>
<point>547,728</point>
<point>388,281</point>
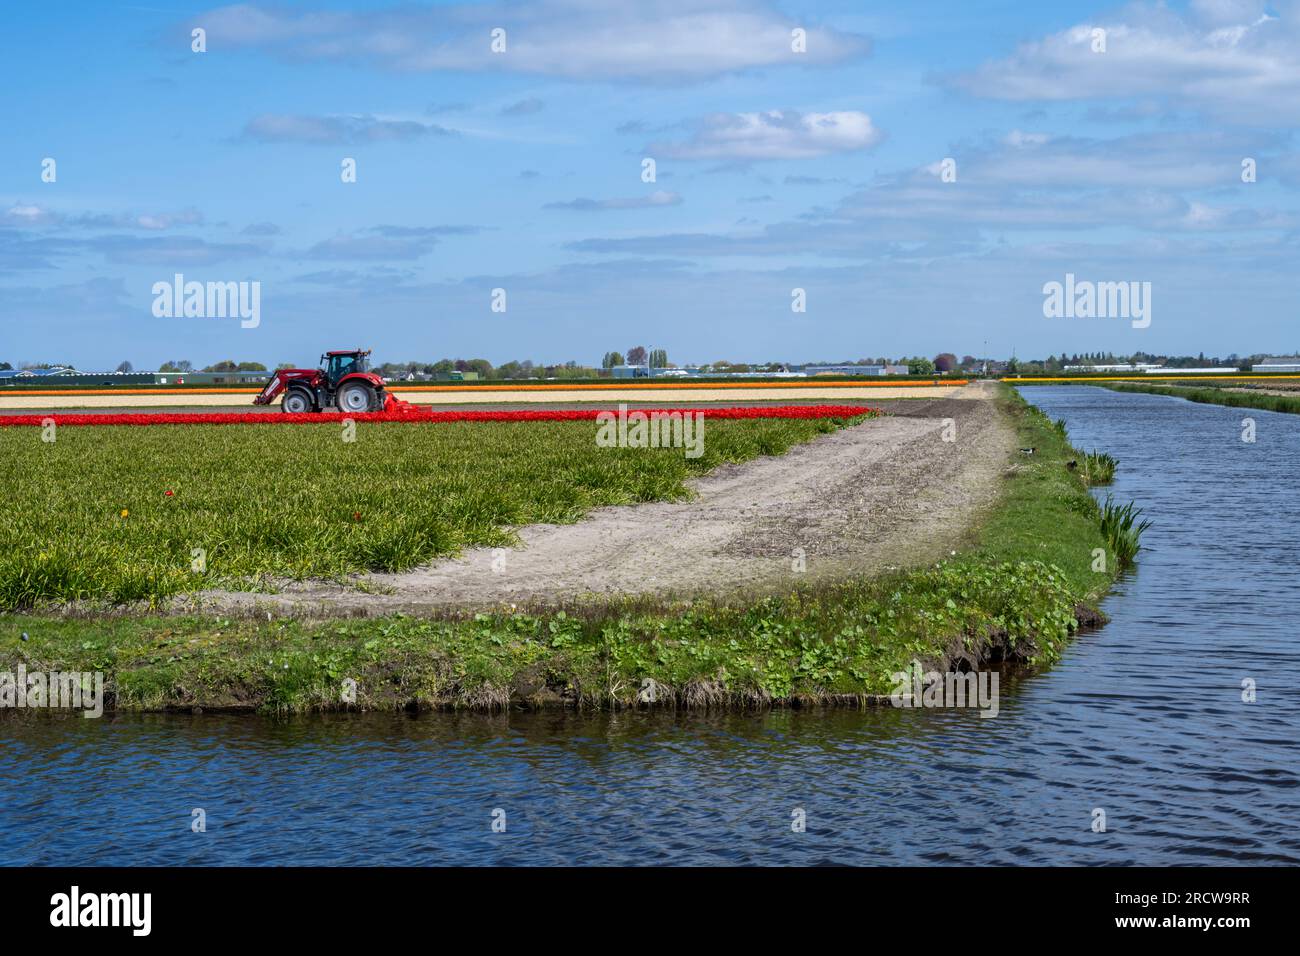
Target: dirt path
<point>890,492</point>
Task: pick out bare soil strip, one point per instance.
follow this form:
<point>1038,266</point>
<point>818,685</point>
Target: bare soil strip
<point>888,493</point>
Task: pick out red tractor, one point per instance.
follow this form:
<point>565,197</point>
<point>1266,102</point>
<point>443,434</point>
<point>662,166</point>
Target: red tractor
<point>343,379</point>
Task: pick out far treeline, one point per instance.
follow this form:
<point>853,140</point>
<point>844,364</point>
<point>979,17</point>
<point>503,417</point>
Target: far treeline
<point>654,358</point>
<point>1056,363</point>
<point>944,362</point>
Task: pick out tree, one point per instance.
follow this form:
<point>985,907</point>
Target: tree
<point>659,358</point>
<point>920,366</point>
<point>6,367</point>
<point>227,366</point>
<point>636,355</point>
<point>945,362</point>
<point>611,359</point>
<point>251,367</point>
<point>482,366</point>
<point>573,370</point>
<point>177,365</point>
<point>125,367</point>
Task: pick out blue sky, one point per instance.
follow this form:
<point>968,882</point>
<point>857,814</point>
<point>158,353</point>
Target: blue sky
<point>522,170</point>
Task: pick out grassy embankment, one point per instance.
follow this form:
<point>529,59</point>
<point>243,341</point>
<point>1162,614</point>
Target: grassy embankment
<point>1210,395</point>
<point>1018,593</point>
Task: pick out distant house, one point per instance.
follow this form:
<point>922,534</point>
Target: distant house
<point>1283,363</point>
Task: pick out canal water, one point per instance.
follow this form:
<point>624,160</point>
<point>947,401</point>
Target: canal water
<point>1142,720</point>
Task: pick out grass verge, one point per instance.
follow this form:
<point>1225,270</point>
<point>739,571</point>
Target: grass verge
<point>1214,396</point>
<point>1017,595</point>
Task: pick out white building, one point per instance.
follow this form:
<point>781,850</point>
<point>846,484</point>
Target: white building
<point>1125,367</point>
<point>1284,363</point>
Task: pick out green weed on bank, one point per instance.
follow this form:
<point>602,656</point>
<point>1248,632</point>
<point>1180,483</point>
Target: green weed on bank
<point>842,641</point>
<point>1214,396</point>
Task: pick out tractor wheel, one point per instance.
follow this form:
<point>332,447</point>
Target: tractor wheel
<point>356,397</point>
<point>296,402</point>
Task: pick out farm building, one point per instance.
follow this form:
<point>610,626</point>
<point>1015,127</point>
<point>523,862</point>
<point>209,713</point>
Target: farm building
<point>855,369</point>
<point>62,377</point>
<point>1133,367</point>
<point>630,371</point>
<point>1284,363</point>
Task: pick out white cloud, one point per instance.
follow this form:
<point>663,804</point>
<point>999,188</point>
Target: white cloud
<point>29,214</point>
<point>1157,160</point>
<point>1230,58</point>
<point>670,41</point>
<point>1020,138</point>
<point>775,134</point>
<point>33,214</point>
<point>658,198</point>
<point>329,130</point>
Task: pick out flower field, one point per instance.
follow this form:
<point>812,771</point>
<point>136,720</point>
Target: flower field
<point>415,414</point>
<point>119,513</point>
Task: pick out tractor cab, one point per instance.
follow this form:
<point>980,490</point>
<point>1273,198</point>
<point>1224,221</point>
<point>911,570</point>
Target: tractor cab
<point>335,365</point>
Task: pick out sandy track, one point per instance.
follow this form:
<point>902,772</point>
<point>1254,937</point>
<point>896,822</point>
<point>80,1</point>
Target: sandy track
<point>888,493</point>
